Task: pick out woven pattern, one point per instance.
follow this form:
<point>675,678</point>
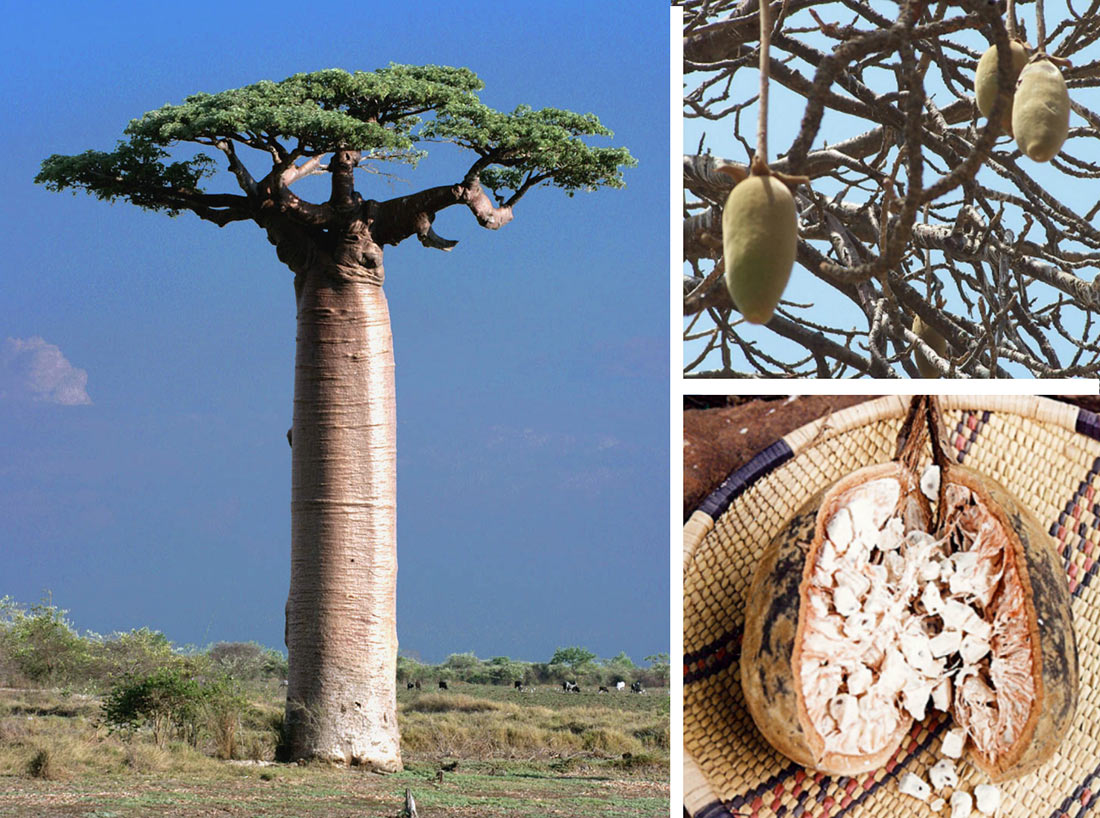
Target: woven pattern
<point>1046,454</point>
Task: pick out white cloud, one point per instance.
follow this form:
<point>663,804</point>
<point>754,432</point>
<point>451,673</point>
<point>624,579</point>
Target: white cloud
<point>32,370</point>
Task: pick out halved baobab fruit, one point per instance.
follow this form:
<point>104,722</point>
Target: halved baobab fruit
<point>865,614</point>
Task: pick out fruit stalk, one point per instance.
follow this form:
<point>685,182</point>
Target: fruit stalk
<point>765,48</point>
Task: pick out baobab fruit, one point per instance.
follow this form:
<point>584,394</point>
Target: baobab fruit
<point>868,611</point>
<point>760,240</point>
<point>985,81</point>
<point>932,337</point>
<point>1040,110</point>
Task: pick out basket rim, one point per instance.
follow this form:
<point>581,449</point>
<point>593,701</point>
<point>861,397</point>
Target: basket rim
<point>834,424</point>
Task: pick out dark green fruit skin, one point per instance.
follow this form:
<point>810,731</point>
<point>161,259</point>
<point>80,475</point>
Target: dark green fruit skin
<point>1044,579</point>
<point>771,624</point>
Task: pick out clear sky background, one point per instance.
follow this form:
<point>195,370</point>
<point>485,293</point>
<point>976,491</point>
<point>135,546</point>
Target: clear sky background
<point>146,363</point>
<point>785,111</point>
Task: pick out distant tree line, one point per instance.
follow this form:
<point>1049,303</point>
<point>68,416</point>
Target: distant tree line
<point>574,664</point>
<point>39,647</point>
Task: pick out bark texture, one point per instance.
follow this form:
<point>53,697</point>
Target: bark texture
<point>341,617</point>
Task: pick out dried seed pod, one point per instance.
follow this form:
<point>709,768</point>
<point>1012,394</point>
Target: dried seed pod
<point>760,238</point>
<point>985,81</point>
<point>932,337</point>
<point>1040,110</point>
<point>848,636</point>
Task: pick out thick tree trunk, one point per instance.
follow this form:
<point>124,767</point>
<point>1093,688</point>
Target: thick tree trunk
<point>341,631</point>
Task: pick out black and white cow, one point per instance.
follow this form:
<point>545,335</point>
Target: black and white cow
<point>636,687</point>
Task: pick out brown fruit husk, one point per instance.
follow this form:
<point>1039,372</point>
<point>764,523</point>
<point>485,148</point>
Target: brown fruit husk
<point>778,608</point>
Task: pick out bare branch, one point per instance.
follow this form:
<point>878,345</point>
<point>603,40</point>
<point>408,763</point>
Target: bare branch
<point>1000,262</point>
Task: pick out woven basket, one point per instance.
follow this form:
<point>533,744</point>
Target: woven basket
<point>1046,453</point>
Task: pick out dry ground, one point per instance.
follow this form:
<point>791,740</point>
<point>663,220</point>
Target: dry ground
<point>474,751</point>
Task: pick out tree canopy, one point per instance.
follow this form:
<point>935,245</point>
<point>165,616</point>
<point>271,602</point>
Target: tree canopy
<point>917,206</point>
<point>358,119</point>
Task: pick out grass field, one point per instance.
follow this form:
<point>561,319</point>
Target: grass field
<point>474,750</point>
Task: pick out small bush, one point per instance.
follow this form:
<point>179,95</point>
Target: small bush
<point>247,661</point>
<point>163,699</point>
<point>138,652</point>
<point>173,703</point>
<point>41,644</point>
<point>43,764</point>
<point>634,761</point>
<point>222,704</point>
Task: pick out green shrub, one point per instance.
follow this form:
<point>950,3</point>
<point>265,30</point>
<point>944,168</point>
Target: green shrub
<point>138,653</point>
<point>173,702</point>
<point>461,661</point>
<point>41,643</point>
<point>576,657</point>
<point>222,705</point>
<point>247,661</point>
<point>168,700</point>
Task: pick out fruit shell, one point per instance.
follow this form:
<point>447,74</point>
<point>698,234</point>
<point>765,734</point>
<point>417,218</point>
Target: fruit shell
<point>1050,623</point>
<point>770,647</point>
<point>760,238</point>
<point>985,81</point>
<point>1040,110</point>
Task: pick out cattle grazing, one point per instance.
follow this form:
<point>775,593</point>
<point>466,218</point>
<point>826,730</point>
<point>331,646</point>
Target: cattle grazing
<point>442,684</point>
<point>620,685</point>
<point>570,687</point>
<point>410,686</point>
<point>604,689</point>
<point>636,687</point>
<point>417,684</point>
<point>519,685</point>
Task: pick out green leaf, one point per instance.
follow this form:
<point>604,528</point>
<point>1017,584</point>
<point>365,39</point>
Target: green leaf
<point>133,171</point>
<point>526,142</point>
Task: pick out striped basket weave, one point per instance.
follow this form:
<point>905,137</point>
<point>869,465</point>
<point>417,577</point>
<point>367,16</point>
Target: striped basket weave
<point>1046,453</point>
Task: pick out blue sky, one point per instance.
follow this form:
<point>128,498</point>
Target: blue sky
<point>146,362</point>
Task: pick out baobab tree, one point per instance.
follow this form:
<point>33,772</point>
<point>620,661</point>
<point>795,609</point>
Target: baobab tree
<point>340,615</point>
<point>916,206</point>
